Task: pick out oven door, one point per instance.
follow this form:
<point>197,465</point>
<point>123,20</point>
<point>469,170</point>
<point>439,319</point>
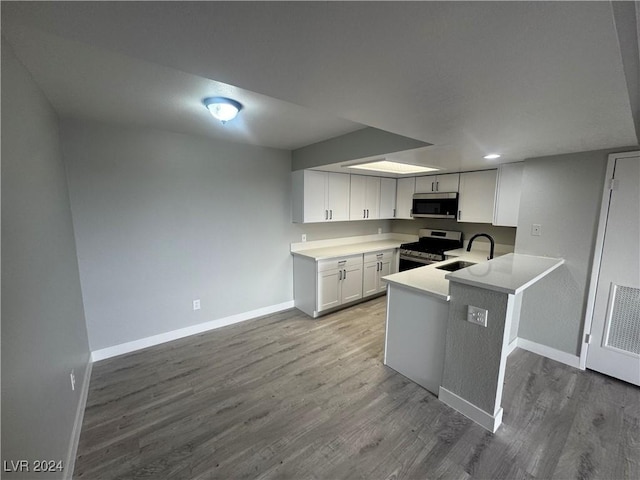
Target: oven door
<point>407,263</point>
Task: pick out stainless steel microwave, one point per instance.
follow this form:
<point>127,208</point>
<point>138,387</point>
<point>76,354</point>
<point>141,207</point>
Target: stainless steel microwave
<point>435,205</point>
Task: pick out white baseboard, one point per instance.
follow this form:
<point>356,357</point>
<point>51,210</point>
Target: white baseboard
<point>469,410</point>
<point>512,346</point>
<point>129,347</point>
<point>77,424</point>
<point>552,353</point>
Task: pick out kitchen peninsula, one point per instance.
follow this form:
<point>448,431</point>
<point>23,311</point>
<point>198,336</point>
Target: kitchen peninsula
<point>434,339</point>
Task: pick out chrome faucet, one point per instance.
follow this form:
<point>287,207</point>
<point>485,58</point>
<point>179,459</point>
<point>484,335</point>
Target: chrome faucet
<point>493,244</point>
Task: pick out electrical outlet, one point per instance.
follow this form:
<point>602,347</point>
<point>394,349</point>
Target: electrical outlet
<point>536,229</point>
<point>304,237</point>
<point>477,315</point>
<point>72,375</point>
<point>196,304</point>
<point>379,231</point>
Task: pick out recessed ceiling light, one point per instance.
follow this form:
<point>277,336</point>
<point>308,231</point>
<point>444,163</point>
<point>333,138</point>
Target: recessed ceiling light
<point>222,108</point>
<point>492,156</point>
<point>387,166</point>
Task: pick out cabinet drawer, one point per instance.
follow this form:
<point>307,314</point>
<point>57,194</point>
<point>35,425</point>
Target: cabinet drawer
<point>385,256</point>
<point>339,262</point>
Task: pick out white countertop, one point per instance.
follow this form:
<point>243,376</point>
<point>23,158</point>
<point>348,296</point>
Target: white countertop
<point>509,273</point>
<point>430,279</point>
<point>351,249</point>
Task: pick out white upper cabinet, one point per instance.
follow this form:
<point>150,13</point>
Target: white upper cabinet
<point>508,190</point>
<point>365,197</point>
<point>320,196</point>
<point>387,197</point>
<point>406,187</point>
<point>438,183</point>
<point>477,196</point>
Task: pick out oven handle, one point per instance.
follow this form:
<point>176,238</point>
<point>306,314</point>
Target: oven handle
<point>424,261</point>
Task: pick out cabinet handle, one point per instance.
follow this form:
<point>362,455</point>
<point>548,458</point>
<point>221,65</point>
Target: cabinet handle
<point>394,213</point>
<point>377,266</point>
<point>437,186</point>
<point>330,214</point>
<point>344,277</point>
<point>459,214</point>
<point>380,266</point>
<point>326,214</point>
<point>367,213</point>
<point>364,213</point>
<point>432,183</point>
<point>339,274</point>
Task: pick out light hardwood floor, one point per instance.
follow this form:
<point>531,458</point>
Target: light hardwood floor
<point>286,396</point>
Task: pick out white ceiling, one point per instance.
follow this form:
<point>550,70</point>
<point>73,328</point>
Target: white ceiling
<point>523,79</point>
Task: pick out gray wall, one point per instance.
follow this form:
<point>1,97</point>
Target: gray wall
<point>359,144</point>
<point>563,194</point>
<point>43,329</point>
<point>162,219</point>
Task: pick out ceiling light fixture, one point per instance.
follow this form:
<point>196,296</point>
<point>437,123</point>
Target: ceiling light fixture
<point>222,108</point>
<point>492,156</point>
<point>388,166</point>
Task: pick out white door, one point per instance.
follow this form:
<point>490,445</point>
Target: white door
<point>404,197</point>
<point>372,201</point>
<point>315,191</point>
<point>328,289</point>
<point>370,278</point>
<point>351,283</point>
<point>448,183</point>
<point>338,196</point>
<point>385,269</point>
<point>387,197</point>
<point>614,348</point>
<point>358,198</point>
<point>477,196</point>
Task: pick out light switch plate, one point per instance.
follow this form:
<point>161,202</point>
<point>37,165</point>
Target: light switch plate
<point>477,315</point>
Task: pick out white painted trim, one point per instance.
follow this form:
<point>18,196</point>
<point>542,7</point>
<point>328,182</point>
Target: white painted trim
<point>552,353</point>
<point>512,346</point>
<point>77,424</point>
<point>469,410</point>
<point>128,347</point>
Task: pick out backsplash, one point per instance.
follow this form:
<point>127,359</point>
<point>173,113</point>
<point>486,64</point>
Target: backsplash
<point>501,235</point>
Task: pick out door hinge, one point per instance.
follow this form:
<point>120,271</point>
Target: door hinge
<point>613,184</point>
<point>587,338</point>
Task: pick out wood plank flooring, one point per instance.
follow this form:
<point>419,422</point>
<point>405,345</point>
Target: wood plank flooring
<point>289,397</point>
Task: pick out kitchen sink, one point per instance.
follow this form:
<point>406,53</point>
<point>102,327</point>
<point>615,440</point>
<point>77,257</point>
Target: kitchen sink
<point>453,266</point>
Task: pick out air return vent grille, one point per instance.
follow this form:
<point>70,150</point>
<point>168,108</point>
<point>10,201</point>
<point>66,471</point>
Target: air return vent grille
<point>624,320</point>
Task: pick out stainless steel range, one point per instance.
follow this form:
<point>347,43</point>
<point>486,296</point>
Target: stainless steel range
<point>429,248</point>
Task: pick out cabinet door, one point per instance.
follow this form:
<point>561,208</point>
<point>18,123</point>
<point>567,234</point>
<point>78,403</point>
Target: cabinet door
<point>328,289</point>
<point>404,197</point>
<point>338,196</point>
<point>351,283</point>
<point>357,202</point>
<point>315,207</point>
<point>387,198</point>
<point>426,184</point>
<point>508,191</point>
<point>372,197</point>
<point>448,182</point>
<point>370,278</point>
<point>477,196</point>
<point>385,269</point>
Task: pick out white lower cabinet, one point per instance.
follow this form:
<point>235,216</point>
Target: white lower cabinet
<point>323,285</point>
<point>339,282</point>
<point>376,266</point>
